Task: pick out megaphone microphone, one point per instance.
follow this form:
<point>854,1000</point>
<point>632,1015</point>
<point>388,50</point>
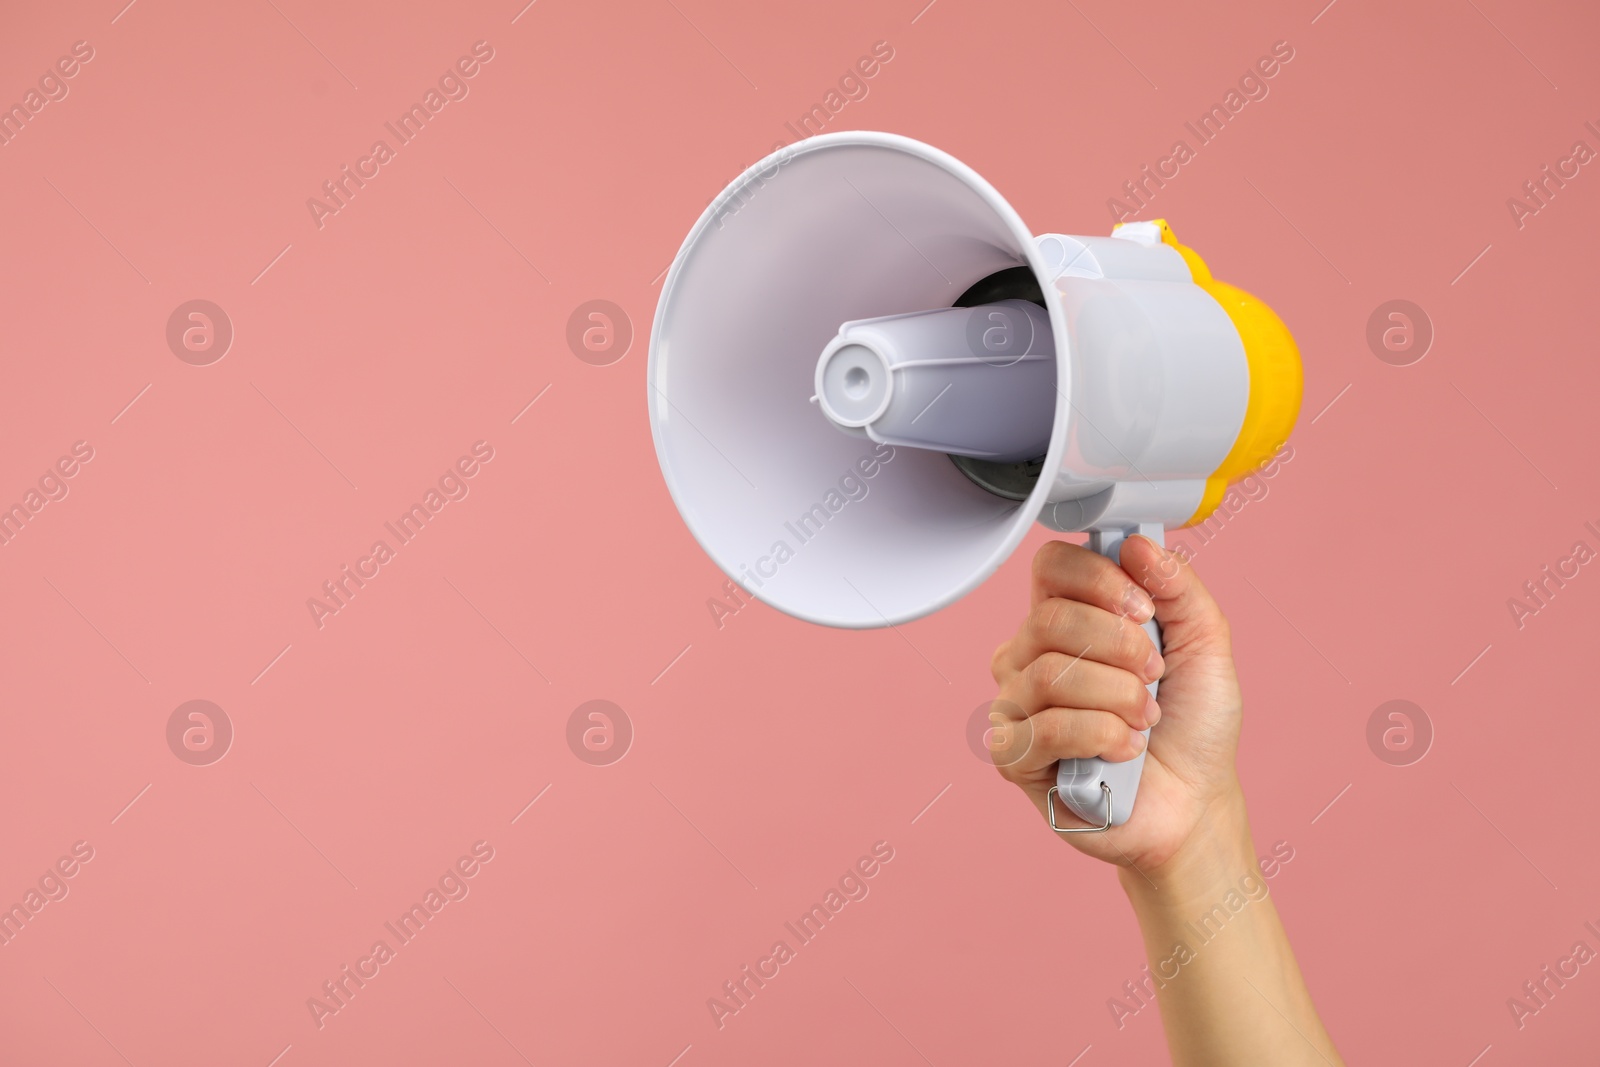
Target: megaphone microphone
<point>868,379</point>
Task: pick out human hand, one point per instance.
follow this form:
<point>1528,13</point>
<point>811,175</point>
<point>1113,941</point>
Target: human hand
<point>1072,684</point>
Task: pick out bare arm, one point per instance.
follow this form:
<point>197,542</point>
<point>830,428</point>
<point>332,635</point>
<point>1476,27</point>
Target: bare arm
<point>1226,978</point>
<point>1072,685</point>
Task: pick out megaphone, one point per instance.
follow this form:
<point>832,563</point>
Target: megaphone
<point>868,379</point>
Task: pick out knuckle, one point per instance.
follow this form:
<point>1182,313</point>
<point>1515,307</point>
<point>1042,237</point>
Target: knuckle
<point>1138,695</point>
<point>1041,560</point>
<point>1110,733</point>
<point>1036,675</point>
<point>1047,560</point>
<point>1048,554</point>
<point>1052,733</point>
<point>1132,694</point>
<point>997,756</point>
<point>1051,620</point>
<point>1138,691</point>
<point>1082,734</point>
<point>1010,743</point>
<point>1133,645</point>
<point>1048,671</point>
<point>998,661</point>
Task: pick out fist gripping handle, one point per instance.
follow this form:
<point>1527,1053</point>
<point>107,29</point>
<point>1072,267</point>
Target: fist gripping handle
<point>1101,793</point>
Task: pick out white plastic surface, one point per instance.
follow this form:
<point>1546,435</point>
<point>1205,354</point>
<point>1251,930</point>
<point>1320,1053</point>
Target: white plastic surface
<point>1150,382</point>
<point>1074,256</point>
<point>974,381</point>
<point>842,227</point>
<point>1160,380</point>
<point>1170,503</point>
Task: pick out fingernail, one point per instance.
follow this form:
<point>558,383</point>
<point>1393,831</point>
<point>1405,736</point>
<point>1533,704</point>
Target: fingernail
<point>1153,666</point>
<point>1137,605</point>
<point>1152,711</point>
<point>1138,743</point>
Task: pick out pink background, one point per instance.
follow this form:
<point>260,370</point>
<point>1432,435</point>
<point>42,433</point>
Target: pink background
<point>768,755</point>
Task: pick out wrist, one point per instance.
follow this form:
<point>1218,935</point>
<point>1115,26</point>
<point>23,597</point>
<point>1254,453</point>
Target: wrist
<point>1211,861</point>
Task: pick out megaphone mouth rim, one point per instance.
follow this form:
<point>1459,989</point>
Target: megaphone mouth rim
<point>1027,511</point>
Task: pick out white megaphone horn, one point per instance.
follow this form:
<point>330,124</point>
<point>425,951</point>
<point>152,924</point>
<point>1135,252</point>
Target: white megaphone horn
<point>868,379</point>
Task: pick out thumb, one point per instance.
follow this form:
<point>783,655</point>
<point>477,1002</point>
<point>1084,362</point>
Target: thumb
<point>1188,613</point>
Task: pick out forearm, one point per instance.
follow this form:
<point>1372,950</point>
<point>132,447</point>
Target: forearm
<point>1226,978</point>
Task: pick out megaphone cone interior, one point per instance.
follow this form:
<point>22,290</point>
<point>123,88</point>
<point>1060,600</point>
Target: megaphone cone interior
<point>856,451</point>
<point>823,525</point>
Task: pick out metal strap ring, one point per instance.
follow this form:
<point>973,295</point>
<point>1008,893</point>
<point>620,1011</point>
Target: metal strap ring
<point>1050,805</point>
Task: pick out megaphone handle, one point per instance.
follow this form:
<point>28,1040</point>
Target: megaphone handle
<point>1089,787</point>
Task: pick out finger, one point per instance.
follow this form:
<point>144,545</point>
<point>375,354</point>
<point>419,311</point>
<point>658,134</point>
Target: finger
<point>1074,573</point>
<point>1057,680</point>
<point>1068,733</point>
<point>1189,615</point>
<point>1010,734</point>
<point>1077,629</point>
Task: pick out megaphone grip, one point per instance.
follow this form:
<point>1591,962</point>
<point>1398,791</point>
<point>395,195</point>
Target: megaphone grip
<point>1088,786</point>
